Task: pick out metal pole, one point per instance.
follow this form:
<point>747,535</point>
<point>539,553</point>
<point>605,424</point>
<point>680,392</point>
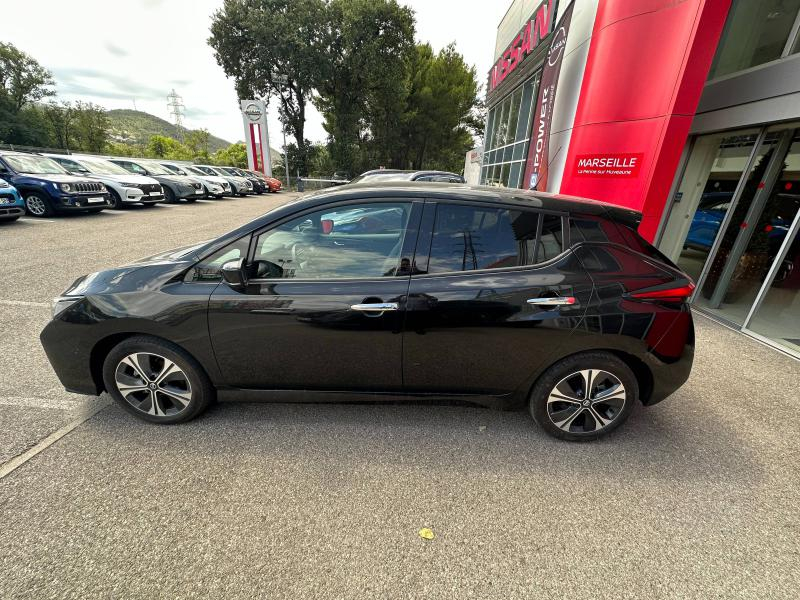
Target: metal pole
<point>286,160</point>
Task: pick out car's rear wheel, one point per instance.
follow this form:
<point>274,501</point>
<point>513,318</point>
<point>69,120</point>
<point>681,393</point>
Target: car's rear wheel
<point>584,396</point>
<point>157,381</point>
<point>37,205</point>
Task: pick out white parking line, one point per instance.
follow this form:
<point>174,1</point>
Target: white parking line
<point>30,220</point>
<point>24,303</point>
<point>51,439</point>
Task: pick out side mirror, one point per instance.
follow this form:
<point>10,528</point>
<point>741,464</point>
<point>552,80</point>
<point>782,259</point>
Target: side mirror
<point>233,274</point>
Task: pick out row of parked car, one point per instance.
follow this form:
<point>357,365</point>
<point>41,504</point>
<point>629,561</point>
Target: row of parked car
<point>43,185</point>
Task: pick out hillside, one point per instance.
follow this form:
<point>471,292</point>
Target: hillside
<point>136,127</point>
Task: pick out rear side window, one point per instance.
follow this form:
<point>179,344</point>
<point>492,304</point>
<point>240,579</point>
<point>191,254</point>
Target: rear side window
<point>469,238</point>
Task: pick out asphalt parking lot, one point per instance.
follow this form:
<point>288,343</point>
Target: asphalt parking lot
<point>696,497</point>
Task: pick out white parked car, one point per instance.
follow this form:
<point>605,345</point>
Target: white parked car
<point>125,187</point>
<point>215,186</point>
<point>239,185</point>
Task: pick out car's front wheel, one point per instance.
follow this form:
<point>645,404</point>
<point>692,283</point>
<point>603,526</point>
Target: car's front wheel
<point>584,396</point>
<point>37,205</point>
<point>157,381</point>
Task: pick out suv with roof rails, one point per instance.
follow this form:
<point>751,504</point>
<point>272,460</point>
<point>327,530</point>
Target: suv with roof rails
<point>47,188</point>
<point>124,187</point>
<point>176,187</point>
<point>215,187</point>
<point>239,185</point>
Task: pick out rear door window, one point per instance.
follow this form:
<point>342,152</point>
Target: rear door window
<point>471,238</point>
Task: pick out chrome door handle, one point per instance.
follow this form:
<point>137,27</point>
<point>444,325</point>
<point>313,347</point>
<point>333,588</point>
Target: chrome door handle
<point>375,308</point>
<point>554,301</point>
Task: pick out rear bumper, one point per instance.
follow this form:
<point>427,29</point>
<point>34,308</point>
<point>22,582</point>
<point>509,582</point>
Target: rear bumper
<point>670,361</point>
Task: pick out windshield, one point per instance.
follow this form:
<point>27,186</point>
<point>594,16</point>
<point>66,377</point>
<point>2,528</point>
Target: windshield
<point>193,171</point>
<point>228,171</point>
<point>35,165</point>
<point>102,167</point>
<point>156,169</point>
<point>172,168</point>
<point>209,170</point>
<point>383,177</point>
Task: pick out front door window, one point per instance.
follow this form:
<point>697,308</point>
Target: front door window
<point>347,242</point>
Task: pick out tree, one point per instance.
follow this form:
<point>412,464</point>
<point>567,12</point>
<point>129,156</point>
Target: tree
<point>91,127</point>
<point>368,46</point>
<point>259,42</point>
<point>440,112</point>
<point>197,143</point>
<point>234,155</point>
<point>60,116</point>
<point>22,79</point>
<point>160,146</point>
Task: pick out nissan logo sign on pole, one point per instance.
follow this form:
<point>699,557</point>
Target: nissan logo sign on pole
<point>256,135</point>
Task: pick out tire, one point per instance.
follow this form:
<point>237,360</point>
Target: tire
<point>37,205</point>
<point>169,195</point>
<point>115,200</point>
<point>558,405</point>
<point>182,395</point>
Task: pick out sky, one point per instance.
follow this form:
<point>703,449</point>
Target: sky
<point>132,53</point>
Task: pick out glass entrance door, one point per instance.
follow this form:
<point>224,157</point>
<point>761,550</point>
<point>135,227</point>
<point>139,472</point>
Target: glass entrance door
<point>752,239</point>
<point>709,182</point>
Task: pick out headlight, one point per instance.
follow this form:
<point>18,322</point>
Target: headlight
<point>133,185</point>
<point>103,187</point>
<point>62,303</point>
<point>65,187</point>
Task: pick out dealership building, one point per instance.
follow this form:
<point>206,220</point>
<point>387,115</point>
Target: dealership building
<point>686,110</point>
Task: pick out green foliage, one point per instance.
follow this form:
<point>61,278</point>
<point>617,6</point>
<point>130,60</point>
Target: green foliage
<point>439,110</point>
<point>23,82</point>
<point>22,79</point>
<point>234,155</point>
<point>369,46</point>
<point>259,42</point>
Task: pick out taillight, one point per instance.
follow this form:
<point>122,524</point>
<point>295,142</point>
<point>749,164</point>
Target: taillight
<point>677,293</point>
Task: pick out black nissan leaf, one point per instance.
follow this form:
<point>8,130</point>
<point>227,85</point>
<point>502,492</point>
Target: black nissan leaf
<point>392,292</point>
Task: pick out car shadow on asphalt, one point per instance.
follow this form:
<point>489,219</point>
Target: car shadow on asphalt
<point>657,443</point>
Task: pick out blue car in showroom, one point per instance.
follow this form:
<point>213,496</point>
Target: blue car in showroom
<point>11,205</point>
<point>46,188</point>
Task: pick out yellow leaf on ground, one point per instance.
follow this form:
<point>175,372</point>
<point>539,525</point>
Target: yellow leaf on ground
<point>426,534</point>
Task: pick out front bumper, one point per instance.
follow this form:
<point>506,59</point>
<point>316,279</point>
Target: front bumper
<point>10,211</point>
<point>69,353</point>
<point>68,202</point>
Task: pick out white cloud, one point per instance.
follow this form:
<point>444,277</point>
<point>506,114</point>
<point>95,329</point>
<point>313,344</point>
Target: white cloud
<point>124,52</point>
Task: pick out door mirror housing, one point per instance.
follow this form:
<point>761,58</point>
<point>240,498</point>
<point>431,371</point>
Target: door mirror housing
<point>233,274</point>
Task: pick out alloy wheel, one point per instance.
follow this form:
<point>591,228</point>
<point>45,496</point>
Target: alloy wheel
<point>153,384</point>
<point>36,206</point>
<point>586,401</point>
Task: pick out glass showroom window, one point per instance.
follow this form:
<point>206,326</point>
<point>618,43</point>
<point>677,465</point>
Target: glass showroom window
<point>756,32</point>
<point>507,136</point>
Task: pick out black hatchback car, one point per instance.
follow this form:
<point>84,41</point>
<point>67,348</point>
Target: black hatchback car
<point>413,291</point>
